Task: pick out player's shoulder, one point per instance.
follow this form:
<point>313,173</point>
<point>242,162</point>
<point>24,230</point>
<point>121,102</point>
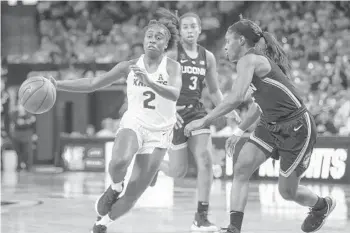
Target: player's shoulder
<point>172,66</point>
<point>248,59</point>
<point>171,63</point>
<point>172,54</point>
<point>209,57</point>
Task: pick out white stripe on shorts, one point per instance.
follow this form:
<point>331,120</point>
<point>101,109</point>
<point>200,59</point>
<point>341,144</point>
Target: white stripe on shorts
<point>261,142</point>
<point>302,152</point>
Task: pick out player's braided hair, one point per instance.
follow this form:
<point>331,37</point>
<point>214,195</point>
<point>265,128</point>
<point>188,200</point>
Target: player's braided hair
<point>170,22</point>
<point>252,32</point>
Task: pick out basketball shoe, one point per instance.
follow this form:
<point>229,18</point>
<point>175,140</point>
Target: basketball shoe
<point>230,229</point>
<point>104,203</point>
<point>316,218</point>
<point>201,223</point>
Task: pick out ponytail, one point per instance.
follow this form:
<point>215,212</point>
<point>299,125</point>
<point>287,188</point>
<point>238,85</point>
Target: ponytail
<point>164,14</point>
<point>275,52</point>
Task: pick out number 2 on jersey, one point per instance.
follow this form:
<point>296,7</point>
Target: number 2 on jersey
<point>193,85</point>
<point>150,97</point>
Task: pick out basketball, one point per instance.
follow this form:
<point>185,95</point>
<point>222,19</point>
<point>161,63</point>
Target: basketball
<point>37,95</point>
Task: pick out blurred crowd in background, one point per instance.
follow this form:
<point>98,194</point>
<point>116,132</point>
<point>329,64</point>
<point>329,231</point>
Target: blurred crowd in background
<point>316,36</point>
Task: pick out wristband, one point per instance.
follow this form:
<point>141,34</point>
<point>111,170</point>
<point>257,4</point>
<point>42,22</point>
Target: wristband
<point>238,132</point>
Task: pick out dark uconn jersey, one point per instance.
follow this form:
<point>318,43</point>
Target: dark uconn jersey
<point>275,94</point>
<point>193,74</point>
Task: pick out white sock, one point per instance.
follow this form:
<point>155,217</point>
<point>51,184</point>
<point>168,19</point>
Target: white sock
<point>117,186</point>
<point>105,220</point>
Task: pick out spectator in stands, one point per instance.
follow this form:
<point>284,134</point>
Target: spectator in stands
<point>136,50</point>
<point>90,131</point>
<point>108,128</point>
<point>5,111</point>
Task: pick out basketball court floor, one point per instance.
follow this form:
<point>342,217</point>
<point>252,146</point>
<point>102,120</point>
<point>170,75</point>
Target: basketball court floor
<point>64,203</point>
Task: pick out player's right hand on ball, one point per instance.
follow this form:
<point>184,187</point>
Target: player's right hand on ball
<point>231,144</point>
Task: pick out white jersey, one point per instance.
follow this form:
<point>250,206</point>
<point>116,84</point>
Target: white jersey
<point>151,110</point>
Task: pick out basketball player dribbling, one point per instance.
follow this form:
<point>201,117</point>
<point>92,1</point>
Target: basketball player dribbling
<point>146,128</point>
<point>286,130</point>
<point>198,68</point>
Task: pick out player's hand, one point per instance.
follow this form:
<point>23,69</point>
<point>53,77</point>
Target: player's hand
<point>194,125</point>
<point>235,116</point>
<point>141,74</point>
<point>231,144</point>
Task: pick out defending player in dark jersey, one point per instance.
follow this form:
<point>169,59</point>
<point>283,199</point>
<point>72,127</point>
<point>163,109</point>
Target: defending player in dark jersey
<point>286,130</point>
<point>198,68</point>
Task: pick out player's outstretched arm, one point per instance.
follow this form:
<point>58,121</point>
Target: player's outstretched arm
<point>86,85</point>
<point>245,71</point>
<point>172,90</point>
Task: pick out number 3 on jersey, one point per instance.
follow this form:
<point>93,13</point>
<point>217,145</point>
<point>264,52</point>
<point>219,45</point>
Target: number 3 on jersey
<point>150,97</point>
<point>193,85</point>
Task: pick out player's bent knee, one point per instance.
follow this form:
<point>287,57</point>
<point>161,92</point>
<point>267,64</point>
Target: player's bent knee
<point>244,167</point>
<point>287,193</point>
<point>249,159</point>
<point>241,172</point>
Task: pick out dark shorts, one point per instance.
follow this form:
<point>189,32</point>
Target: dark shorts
<point>292,142</point>
<point>188,114</point>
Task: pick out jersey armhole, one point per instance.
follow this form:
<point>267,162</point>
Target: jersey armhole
<point>271,68</point>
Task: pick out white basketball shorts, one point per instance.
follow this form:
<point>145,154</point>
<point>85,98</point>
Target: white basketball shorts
<point>147,139</point>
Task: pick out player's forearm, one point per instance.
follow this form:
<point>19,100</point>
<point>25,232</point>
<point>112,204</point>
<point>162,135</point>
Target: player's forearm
<point>83,85</point>
<point>216,97</point>
<point>230,103</point>
<point>252,116</point>
<point>167,92</point>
